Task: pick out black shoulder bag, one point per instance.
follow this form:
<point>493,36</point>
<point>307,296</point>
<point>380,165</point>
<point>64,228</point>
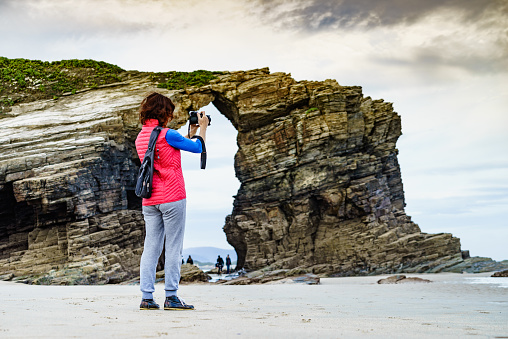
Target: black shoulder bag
<point>145,174</point>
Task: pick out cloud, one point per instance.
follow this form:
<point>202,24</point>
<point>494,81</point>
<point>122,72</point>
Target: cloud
<point>117,17</point>
<point>450,45</point>
<point>430,35</point>
<point>316,15</point>
<point>442,63</point>
<point>433,39</point>
<point>477,202</point>
<point>76,18</point>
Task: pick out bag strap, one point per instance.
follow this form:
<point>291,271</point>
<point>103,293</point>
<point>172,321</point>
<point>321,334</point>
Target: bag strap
<point>153,139</point>
<point>151,150</point>
<point>203,151</point>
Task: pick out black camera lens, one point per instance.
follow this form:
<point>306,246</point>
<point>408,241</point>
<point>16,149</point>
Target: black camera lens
<point>193,118</point>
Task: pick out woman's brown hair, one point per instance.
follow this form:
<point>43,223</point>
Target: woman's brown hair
<point>156,106</point>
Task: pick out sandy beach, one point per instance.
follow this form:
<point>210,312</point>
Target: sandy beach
<point>452,306</point>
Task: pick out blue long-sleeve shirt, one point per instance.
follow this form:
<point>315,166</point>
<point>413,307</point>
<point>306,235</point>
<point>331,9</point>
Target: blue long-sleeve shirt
<point>177,140</point>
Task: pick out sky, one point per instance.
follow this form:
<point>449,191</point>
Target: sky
<point>442,63</point>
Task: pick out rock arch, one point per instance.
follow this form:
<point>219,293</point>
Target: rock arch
<point>320,182</point>
<point>317,162</point>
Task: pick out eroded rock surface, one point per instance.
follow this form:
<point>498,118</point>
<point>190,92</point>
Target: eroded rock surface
<point>67,168</point>
<point>502,274</point>
<point>320,183</point>
<point>402,279</point>
<point>191,273</point>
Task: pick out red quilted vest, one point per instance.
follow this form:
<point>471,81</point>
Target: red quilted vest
<point>168,183</point>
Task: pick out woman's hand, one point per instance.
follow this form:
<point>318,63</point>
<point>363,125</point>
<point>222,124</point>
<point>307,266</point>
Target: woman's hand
<point>202,120</point>
<point>203,124</point>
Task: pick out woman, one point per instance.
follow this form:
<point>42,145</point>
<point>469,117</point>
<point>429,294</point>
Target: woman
<point>164,211</point>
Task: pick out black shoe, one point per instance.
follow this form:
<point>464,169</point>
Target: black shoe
<point>148,304</point>
<point>175,303</point>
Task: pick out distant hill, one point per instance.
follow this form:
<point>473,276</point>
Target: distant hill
<point>208,254</point>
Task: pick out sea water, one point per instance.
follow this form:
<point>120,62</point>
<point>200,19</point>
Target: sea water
<point>498,281</point>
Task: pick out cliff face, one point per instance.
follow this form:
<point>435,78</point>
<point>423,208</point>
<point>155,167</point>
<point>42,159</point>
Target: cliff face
<point>317,162</point>
<point>320,182</point>
<point>66,177</point>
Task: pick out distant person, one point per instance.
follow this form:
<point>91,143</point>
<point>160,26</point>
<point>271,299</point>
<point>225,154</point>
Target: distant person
<point>190,261</point>
<point>164,212</point>
<point>228,263</point>
<point>220,264</point>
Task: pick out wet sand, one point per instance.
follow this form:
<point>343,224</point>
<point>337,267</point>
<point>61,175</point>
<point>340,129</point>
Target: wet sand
<point>452,306</point>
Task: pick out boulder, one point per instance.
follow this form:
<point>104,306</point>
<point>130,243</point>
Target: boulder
<point>402,279</point>
<point>413,280</point>
<point>188,274</point>
<point>274,277</point>
<point>191,273</point>
<point>502,274</point>
<point>309,279</point>
<point>6,277</point>
<point>391,280</point>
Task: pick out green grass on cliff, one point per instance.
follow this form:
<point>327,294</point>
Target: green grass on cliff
<point>180,80</point>
<point>23,80</point>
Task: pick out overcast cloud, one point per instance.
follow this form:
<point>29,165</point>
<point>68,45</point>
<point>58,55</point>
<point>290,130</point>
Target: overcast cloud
<point>444,65</point>
<point>314,15</point>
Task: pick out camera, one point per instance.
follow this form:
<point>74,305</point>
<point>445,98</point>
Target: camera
<point>193,118</point>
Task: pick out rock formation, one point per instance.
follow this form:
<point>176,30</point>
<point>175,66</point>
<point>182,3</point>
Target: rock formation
<point>402,279</point>
<point>320,182</point>
<point>191,273</point>
<point>502,274</point>
<point>66,174</point>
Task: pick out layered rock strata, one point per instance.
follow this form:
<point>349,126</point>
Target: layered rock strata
<point>320,182</point>
<point>67,209</point>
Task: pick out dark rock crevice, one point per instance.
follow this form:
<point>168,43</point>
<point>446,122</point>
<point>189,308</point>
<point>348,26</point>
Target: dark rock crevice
<point>16,222</point>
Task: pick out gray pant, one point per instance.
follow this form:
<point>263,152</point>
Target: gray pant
<point>165,220</point>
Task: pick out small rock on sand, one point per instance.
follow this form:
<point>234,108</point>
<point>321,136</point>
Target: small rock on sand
<point>402,279</point>
<point>501,274</point>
